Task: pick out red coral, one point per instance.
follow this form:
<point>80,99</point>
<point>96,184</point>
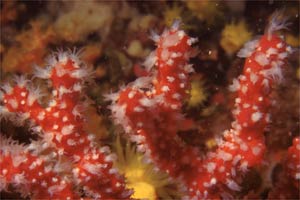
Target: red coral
<point>293,162</point>
<point>286,186</point>
<point>149,109</point>
<point>63,138</point>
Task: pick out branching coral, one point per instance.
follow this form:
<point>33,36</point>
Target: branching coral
<point>293,161</point>
<point>149,109</point>
<point>66,160</point>
<point>62,161</point>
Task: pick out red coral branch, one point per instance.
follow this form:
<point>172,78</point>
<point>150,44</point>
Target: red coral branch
<point>30,174</point>
<point>61,126</point>
<point>293,162</point>
<point>149,109</point>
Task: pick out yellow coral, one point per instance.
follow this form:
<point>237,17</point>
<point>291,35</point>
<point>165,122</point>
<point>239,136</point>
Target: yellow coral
<point>142,190</point>
<point>171,14</point>
<point>83,18</point>
<point>234,35</point>
<point>211,143</point>
<point>292,40</point>
<point>141,22</point>
<point>197,94</point>
<point>136,49</point>
<point>146,182</point>
<point>205,10</point>
<point>30,48</point>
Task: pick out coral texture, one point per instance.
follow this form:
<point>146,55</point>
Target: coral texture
<point>175,152</point>
<point>66,160</point>
<point>149,109</point>
<point>293,161</point>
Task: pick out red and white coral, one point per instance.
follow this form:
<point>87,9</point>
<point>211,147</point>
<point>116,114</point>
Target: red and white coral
<point>60,124</point>
<point>149,109</point>
<point>293,162</point>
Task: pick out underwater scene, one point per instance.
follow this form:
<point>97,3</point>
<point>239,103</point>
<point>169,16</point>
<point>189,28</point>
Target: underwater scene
<point>189,99</point>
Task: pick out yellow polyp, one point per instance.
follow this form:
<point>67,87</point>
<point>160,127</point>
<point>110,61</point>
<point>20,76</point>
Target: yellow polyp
<point>134,174</point>
<point>234,36</point>
<point>211,143</point>
<point>298,73</point>
<point>146,182</point>
<point>292,40</point>
<point>205,10</point>
<point>197,94</point>
<point>171,14</point>
<point>143,190</point>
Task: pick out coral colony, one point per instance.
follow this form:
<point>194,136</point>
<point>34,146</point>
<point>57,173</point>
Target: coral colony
<point>66,159</point>
<point>149,109</point>
<point>66,163</point>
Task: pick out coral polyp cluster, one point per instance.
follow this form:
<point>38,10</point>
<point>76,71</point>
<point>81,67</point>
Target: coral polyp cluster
<point>149,109</point>
<point>81,164</point>
<point>209,114</point>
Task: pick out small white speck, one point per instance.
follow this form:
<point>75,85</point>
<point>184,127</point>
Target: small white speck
<point>180,34</point>
<point>170,79</point>
<point>289,49</point>
<point>256,116</point>
<point>170,62</point>
<point>55,126</point>
<point>176,96</point>
<point>174,106</point>
<point>131,94</point>
<point>65,118</point>
<point>4,171</point>
<point>182,76</point>
<point>71,142</point>
<point>56,114</point>
<point>279,45</point>
<point>256,150</point>
<point>52,103</point>
<point>282,55</point>
<point>165,88</point>
<point>244,88</point>
<point>139,124</point>
<point>138,109</point>
<point>246,105</point>
<point>54,92</point>
<point>237,100</point>
<point>213,181</point>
